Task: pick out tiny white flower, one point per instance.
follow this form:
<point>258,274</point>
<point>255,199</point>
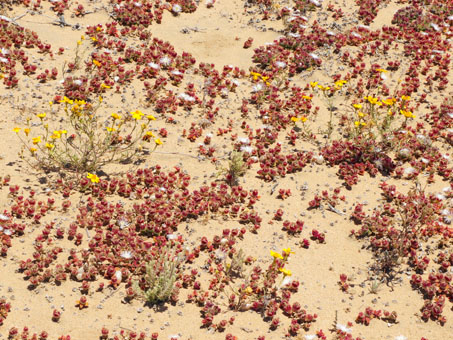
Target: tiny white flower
<point>154,65</point>
<point>316,3</point>
<point>223,241</point>
<point>186,97</point>
<point>383,76</point>
<point>303,26</point>
<point>244,140</point>
<point>364,27</point>
<point>303,17</point>
<point>119,275</point>
<point>166,61</point>
<point>257,87</point>
<point>78,82</point>
<point>356,35</point>
<point>280,64</point>
<point>331,33</point>
<point>405,153</point>
<point>236,82</point>
<point>343,328</point>
<point>123,224</point>
<point>409,171</point>
<point>7,232</point>
<point>435,27</point>
<point>224,92</point>
<point>310,336</point>
<point>247,149</point>
<point>450,18</point>
<point>137,4</point>
<point>209,135</point>
<point>4,60</point>
<point>116,78</point>
<point>314,56</point>
<point>440,197</point>
<point>172,236</point>
<point>176,73</point>
<point>286,281</point>
<point>294,35</point>
<point>126,254</point>
<point>5,51</point>
<point>450,114</point>
<point>176,9</point>
<point>209,2</point>
<point>3,218</point>
<point>424,160</point>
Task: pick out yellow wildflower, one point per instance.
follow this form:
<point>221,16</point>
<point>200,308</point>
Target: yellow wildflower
<point>115,116</point>
<point>276,255</point>
<point>286,272</point>
<point>288,251</point>
<point>248,290</point>
<point>41,116</point>
<point>149,134</point>
<point>137,115</point>
<point>313,84</point>
<point>50,103</point>
<point>151,117</point>
<point>79,42</point>
<point>294,119</point>
<point>97,63</point>
<point>26,131</point>
<point>109,129</point>
<point>360,114</point>
<point>158,141</point>
<point>50,146</point>
<point>307,97</point>
<point>82,37</point>
<point>16,130</point>
<point>407,114</point>
<point>389,101</point>
<point>33,150</point>
<point>406,98</point>
<point>100,99</point>
<point>104,86</point>
<point>371,100</point>
<point>339,83</point>
<point>94,39</point>
<point>303,119</point>
<point>93,178</point>
<point>36,140</point>
<point>381,70</point>
<point>66,100</point>
<point>359,124</point>
<point>255,75</point>
<point>357,106</point>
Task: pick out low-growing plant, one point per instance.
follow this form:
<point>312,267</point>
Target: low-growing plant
<point>158,284</point>
<point>236,168</point>
<point>86,143</point>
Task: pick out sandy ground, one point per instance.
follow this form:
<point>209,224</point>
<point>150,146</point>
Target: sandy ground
<point>212,35</point>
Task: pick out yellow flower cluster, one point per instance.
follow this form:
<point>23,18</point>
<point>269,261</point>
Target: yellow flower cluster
<point>93,178</point>
<point>257,76</point>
